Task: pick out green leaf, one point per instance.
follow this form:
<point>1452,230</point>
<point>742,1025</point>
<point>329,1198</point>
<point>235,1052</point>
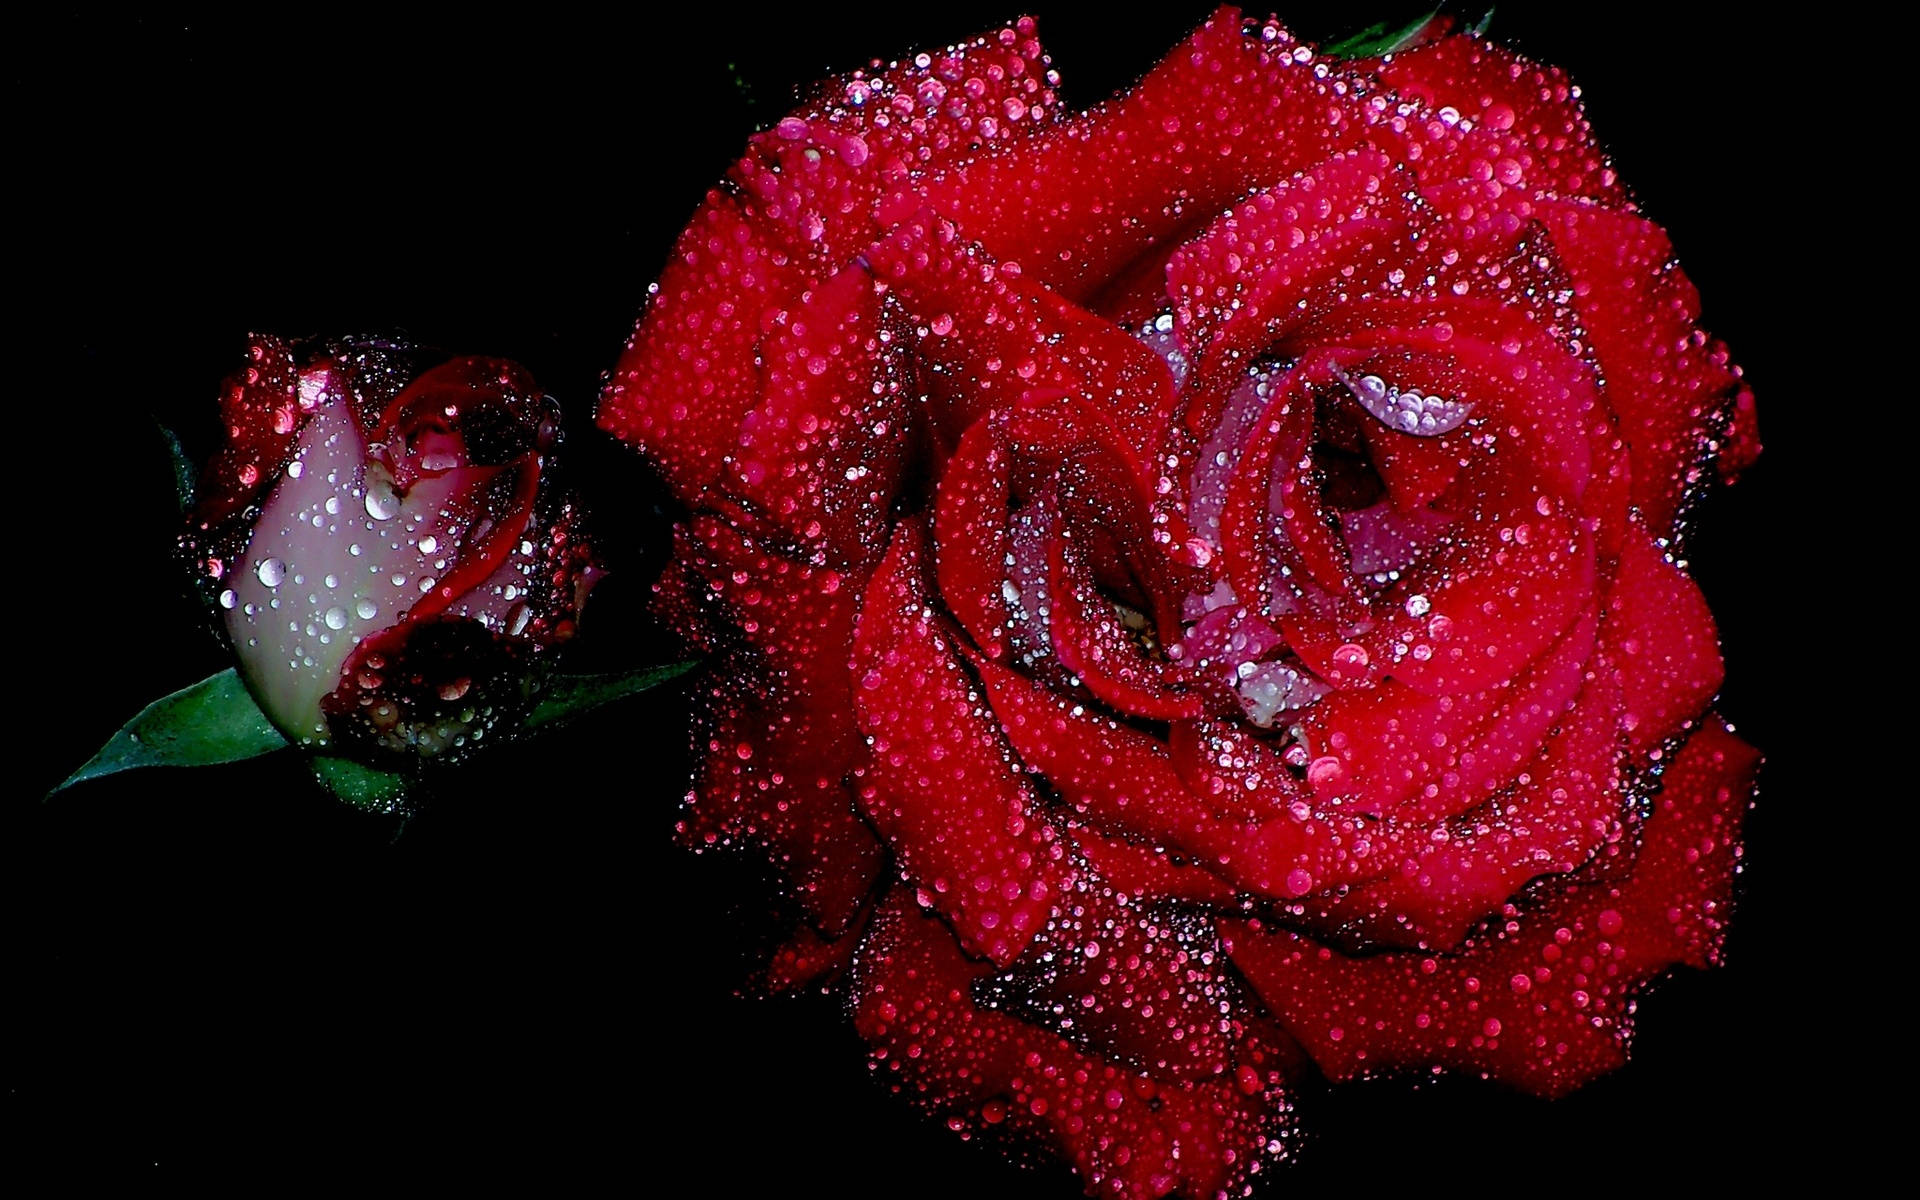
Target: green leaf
<point>568,696</point>
<point>1375,40</point>
<point>360,785</point>
<point>214,721</point>
<point>183,472</point>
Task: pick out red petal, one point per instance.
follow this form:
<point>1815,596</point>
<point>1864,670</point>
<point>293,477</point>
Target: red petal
<point>940,786</point>
<point>1497,595</point>
<point>1423,758</point>
<point>999,342</point>
<point>1670,387</point>
<point>1116,776</point>
<point>1236,286</point>
<point>1089,638</point>
<point>970,536</point>
<point>689,373</point>
<point>1124,780</point>
<point>1131,983</point>
<point>822,453</point>
<point>990,90</point>
<point>804,206</point>
<point>1252,560</point>
<point>1742,445</point>
<point>1528,388</point>
<point>807,958</point>
<point>815,185</point>
<point>774,776</point>
<point>1662,642</point>
<point>782,741</point>
<point>1567,803</point>
<point>797,617</point>
<point>487,506</point>
<point>1145,872</point>
<point>1416,471</point>
<point>1541,1002</point>
<point>1128,1135</point>
<point>1220,115</point>
<point>260,410</point>
<point>1516,132</point>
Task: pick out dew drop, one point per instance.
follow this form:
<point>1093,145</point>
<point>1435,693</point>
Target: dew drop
<point>382,503</point>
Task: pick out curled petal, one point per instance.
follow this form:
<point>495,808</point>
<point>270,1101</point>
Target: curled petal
<point>1238,285</point>
<point>821,454</point>
<point>778,778</point>
<point>1423,757</point>
<point>1002,343</point>
<point>1144,871</point>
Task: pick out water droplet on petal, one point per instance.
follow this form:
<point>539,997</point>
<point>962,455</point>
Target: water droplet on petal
<point>382,502</point>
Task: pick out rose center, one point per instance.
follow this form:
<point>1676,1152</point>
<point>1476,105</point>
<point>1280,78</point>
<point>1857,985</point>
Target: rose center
<point>1328,532</point>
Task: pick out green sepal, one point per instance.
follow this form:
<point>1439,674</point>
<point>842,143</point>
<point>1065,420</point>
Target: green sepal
<point>214,721</point>
<point>362,786</point>
<point>570,696</point>
<point>1375,39</point>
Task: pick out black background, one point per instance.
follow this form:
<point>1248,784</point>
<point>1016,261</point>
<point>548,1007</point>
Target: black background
<point>225,974</point>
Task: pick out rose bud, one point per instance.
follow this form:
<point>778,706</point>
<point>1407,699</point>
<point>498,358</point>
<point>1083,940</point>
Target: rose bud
<point>389,555</point>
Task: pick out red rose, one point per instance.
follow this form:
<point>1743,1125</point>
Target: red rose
<point>1191,580</point>
<point>387,550</point>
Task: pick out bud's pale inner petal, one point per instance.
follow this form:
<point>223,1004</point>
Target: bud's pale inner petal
<point>339,552</point>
